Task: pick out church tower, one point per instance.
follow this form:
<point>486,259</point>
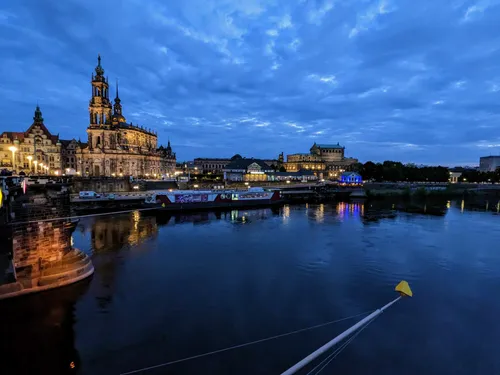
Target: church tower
<point>100,106</point>
<point>101,130</point>
<point>117,109</point>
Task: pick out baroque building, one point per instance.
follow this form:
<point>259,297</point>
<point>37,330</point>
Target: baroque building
<point>36,150</point>
<point>325,160</point>
<point>115,147</point>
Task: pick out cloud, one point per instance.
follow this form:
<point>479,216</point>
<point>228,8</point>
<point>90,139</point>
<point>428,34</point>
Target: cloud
<point>316,15</point>
<point>411,82</point>
<point>368,19</point>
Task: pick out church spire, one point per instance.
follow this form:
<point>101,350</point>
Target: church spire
<point>117,96</point>
<point>117,108</point>
<point>98,69</point>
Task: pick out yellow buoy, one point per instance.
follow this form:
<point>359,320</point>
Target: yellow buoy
<point>404,289</point>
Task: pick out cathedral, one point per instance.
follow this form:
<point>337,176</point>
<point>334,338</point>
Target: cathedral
<point>115,147</point>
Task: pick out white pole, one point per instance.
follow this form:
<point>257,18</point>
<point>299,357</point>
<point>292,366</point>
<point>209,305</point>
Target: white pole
<point>292,370</point>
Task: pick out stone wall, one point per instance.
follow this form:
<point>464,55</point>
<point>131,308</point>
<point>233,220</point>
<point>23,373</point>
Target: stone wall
<point>36,242</point>
<point>36,245</point>
<point>101,184</point>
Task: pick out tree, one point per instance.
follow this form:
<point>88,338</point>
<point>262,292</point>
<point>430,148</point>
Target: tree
<point>368,172</point>
<point>236,157</point>
<point>356,167</point>
<point>396,171</point>
<point>282,169</point>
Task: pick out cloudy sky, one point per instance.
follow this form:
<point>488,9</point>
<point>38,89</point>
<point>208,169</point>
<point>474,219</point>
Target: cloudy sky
<point>416,81</point>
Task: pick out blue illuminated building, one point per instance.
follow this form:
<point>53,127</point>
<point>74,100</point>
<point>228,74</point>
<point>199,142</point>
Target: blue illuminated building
<point>351,178</point>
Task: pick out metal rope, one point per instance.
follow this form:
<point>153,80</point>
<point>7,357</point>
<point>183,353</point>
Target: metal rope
<point>82,216</point>
<point>337,351</point>
<point>243,345</point>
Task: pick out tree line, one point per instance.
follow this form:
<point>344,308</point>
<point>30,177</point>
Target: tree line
<point>396,171</point>
<point>476,176</point>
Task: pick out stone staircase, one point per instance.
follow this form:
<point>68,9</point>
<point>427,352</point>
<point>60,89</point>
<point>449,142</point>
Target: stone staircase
<point>74,264</point>
<point>73,267</point>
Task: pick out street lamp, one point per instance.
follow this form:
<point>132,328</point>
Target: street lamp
<point>13,149</point>
<point>30,158</point>
<point>36,165</point>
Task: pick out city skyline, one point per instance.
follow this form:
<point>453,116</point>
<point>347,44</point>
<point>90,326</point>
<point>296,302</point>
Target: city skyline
<point>413,83</point>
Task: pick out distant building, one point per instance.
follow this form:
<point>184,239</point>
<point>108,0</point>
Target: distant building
<point>489,163</point>
<point>217,165</point>
<point>69,151</point>
<point>325,160</point>
<point>247,170</point>
<point>211,165</point>
<point>351,178</point>
<point>31,150</point>
<point>302,175</point>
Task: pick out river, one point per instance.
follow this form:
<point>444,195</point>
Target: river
<point>166,288</point>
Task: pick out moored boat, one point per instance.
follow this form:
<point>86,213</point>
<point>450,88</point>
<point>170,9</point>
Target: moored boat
<point>205,199</point>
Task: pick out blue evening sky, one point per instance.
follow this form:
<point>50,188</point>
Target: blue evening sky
<point>410,80</point>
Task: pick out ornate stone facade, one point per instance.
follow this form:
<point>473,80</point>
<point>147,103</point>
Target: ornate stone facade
<point>115,147</point>
<point>32,150</point>
<point>326,161</point>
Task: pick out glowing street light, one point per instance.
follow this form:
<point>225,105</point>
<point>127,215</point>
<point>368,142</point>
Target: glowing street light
<point>36,166</point>
<point>13,149</point>
<point>30,158</point>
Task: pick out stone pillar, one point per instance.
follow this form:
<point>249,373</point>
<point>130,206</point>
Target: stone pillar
<point>35,242</point>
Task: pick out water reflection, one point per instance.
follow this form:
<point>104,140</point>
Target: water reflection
<point>37,332</point>
<point>111,233</point>
<point>354,209</point>
<point>285,213</point>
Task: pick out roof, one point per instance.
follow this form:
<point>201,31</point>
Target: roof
<point>65,142</point>
<point>349,174</point>
<point>324,145</point>
<point>13,135</point>
<point>302,172</point>
<point>245,163</point>
<point>214,159</point>
<point>130,126</point>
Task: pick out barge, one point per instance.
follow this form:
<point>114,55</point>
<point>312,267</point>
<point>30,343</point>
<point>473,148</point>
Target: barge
<point>181,200</point>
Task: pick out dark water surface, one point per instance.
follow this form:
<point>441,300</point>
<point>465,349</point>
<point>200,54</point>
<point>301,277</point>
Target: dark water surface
<point>170,287</point>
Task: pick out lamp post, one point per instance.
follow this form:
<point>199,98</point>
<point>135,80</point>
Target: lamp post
<point>13,149</point>
<point>41,167</point>
<point>30,158</point>
<point>36,166</point>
